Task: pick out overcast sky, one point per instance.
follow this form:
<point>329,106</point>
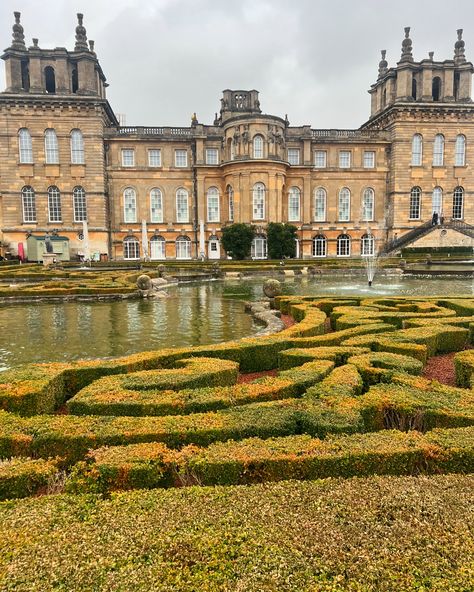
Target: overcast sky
<point>312,59</point>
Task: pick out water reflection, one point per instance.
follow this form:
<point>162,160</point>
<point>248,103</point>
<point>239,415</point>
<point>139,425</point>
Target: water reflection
<point>193,314</point>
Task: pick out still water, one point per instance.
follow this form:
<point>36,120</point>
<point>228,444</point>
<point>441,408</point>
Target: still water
<point>192,314</point>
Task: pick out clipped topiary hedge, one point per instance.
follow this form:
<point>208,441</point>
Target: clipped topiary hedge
<point>21,477</point>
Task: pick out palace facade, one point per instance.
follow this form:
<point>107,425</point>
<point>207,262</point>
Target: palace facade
<point>68,169</point>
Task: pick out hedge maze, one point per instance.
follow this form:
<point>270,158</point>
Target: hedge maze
<point>344,397</point>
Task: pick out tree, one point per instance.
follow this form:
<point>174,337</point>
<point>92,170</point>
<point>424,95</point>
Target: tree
<point>281,240</point>
<point>237,240</point>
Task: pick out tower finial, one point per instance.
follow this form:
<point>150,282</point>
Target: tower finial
<point>383,64</point>
<point>81,35</point>
<point>459,56</point>
<point>407,55</point>
<point>18,34</point>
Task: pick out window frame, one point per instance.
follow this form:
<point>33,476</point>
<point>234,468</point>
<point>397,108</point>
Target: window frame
<point>371,164</point>
<point>51,146</point>
<point>415,203</point>
<point>257,151</point>
<point>258,201</point>
<point>130,198</point>
<point>154,152</point>
<point>317,241</point>
<point>54,205</point>
<point>179,153</point>
<point>212,194</point>
<point>345,154</point>
<point>368,191</point>
<point>438,150</point>
<point>294,209</point>
<point>156,195</point>
<point>458,203</point>
<point>131,240</point>
<point>261,253</point>
<point>79,204</point>
<point>126,153</point>
<point>231,203</point>
<point>211,161</point>
<point>460,154</point>
<point>344,193</point>
<point>182,194</point>
<point>324,154</point>
<point>183,240</point>
<point>437,201</point>
<point>367,245</point>
<point>324,196</point>
<point>295,152</point>
<point>77,146</point>
<point>346,251</point>
<point>417,150</point>
<point>28,203</point>
<point>25,146</point>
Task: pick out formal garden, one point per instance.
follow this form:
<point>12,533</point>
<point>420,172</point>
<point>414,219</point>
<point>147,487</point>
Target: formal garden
<point>320,457</point>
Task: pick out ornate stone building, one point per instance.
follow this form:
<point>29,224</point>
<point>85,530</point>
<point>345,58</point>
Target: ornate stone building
<point>67,167</point>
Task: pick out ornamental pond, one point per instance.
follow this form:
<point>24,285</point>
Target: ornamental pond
<point>192,314</point>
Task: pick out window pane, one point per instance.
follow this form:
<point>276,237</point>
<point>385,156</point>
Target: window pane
<point>128,158</point>
<point>156,206</point>
<point>320,205</point>
<point>26,146</point>
<point>437,201</point>
<point>417,150</point>
<point>319,246</point>
<point>54,204</point>
<point>77,147</point>
<point>460,158</point>
<point>182,209</point>
<point>368,205</point>
<point>183,248</point>
<point>367,245</point>
<point>369,159</point>
<point>294,204</point>
<point>294,156</point>
<point>230,193</point>
<point>51,147</point>
<point>415,203</point>
<point>131,249</point>
<point>259,248</point>
<point>259,201</point>
<point>343,246</point>
<point>320,159</point>
<point>79,204</point>
<point>344,205</point>
<point>212,156</point>
<point>181,158</point>
<point>130,205</point>
<point>258,147</point>
<point>458,203</point>
<point>157,248</point>
<point>154,158</point>
<point>438,150</point>
<point>29,204</point>
<point>344,159</point>
<point>213,205</point>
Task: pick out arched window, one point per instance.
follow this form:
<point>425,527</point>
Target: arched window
<point>460,156</point>
<point>213,213</point>
<point>230,196</point>
<point>183,247</point>
<point>294,200</point>
<point>415,203</point>
<point>259,247</point>
<point>437,201</point>
<point>51,148</point>
<point>79,204</point>
<point>413,88</point>
<point>50,80</point>
<point>77,147</point>
<point>417,150</point>
<point>54,204</point>
<point>182,205</point>
<point>344,205</point>
<point>320,204</point>
<point>157,247</point>
<point>343,245</point>
<point>25,146</point>
<point>259,201</point>
<point>458,203</point>
<point>258,146</point>
<point>436,88</point>
<point>130,205</point>
<point>156,205</point>
<point>320,245</point>
<point>368,199</point>
<point>29,204</point>
<point>438,150</point>
<point>131,248</point>
<point>367,245</point>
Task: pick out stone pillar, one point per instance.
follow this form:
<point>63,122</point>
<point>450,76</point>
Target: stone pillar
<point>61,72</point>
<point>86,75</point>
<point>465,81</point>
<point>404,81</point>
<point>427,84</point>
<point>448,86</point>
<point>13,74</point>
